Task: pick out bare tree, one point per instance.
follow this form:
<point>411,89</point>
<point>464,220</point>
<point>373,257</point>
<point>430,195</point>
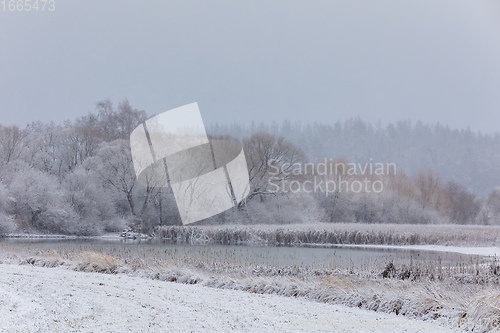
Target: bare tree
<point>11,143</point>
<point>431,192</point>
<point>270,159</point>
<point>113,164</point>
<point>464,206</point>
<point>335,200</point>
<point>114,167</point>
<point>494,204</point>
<point>117,123</point>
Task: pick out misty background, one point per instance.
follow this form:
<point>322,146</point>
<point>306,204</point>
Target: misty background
<point>324,61</point>
<point>410,83</point>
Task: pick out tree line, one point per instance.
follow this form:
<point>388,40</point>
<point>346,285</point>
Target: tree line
<point>78,178</point>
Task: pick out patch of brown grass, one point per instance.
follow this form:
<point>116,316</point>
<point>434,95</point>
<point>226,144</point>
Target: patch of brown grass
<point>52,259</point>
<point>98,262</point>
<point>337,283</point>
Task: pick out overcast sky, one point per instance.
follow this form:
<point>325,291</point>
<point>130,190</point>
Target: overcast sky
<point>324,61</point>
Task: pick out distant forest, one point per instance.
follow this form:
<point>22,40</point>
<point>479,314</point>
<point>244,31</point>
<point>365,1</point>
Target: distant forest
<point>78,177</point>
<point>469,158</point>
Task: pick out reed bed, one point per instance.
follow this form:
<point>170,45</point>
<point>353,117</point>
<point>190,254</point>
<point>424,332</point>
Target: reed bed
<point>334,233</point>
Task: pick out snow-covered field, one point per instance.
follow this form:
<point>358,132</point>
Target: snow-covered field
<point>36,299</point>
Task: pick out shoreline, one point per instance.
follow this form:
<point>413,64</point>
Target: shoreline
<point>485,251</point>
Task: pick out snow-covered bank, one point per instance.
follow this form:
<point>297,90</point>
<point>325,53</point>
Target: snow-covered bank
<point>25,236</point>
<point>489,251</point>
<point>57,299</point>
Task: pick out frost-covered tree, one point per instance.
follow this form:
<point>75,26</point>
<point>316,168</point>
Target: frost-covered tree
<point>7,224</point>
<point>117,123</point>
<point>464,205</point>
<point>114,169</point>
<point>92,201</point>
<point>334,197</point>
<point>39,202</point>
<point>270,160</point>
<point>493,204</point>
<point>11,143</point>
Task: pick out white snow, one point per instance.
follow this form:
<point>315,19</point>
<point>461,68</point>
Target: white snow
<point>61,300</point>
<point>480,251</point>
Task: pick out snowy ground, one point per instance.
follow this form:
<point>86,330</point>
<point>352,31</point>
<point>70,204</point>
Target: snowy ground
<point>35,299</point>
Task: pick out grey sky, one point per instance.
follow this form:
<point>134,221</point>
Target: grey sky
<point>432,60</point>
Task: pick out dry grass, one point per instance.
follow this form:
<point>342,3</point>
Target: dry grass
<point>52,259</point>
<point>337,282</point>
<point>483,311</point>
<point>87,261</point>
<point>334,233</point>
<point>98,262</point>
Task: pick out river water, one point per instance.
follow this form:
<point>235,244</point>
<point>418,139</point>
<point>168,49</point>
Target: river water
<point>341,257</point>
